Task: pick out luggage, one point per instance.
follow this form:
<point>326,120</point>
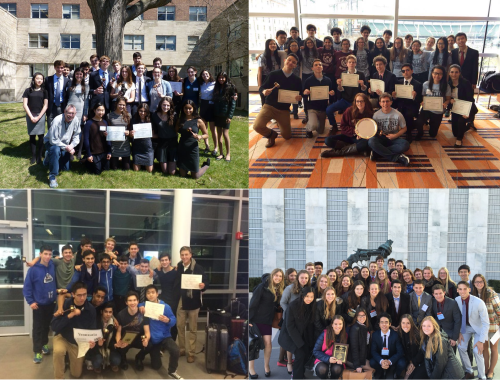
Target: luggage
<point>237,309</point>
<point>238,329</point>
<point>490,83</point>
<point>349,374</point>
<point>217,343</point>
<point>237,358</point>
<point>219,318</point>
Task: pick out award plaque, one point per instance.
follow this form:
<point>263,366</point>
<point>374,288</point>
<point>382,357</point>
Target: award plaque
<point>340,352</point>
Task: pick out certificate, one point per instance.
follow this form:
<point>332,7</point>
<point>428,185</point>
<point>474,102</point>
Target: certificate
<point>116,133</point>
<point>191,281</point>
<point>433,103</point>
<point>461,107</point>
<point>495,337</point>
<point>377,84</point>
<point>143,280</point>
<point>404,91</point>
<point>340,352</point>
<point>319,93</point>
<point>154,310</point>
<point>349,80</point>
<point>129,336</point>
<point>176,86</point>
<point>83,337</point>
<point>142,131</point>
<point>286,96</point>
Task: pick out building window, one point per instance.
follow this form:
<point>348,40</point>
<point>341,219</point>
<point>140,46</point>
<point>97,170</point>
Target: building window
<point>39,41</point>
<point>94,41</point>
<point>234,31</point>
<point>217,69</point>
<point>10,7</point>
<point>192,41</point>
<point>236,69</point>
<point>457,231</point>
<point>493,243</point>
<point>378,217</point>
<point>39,68</point>
<point>418,224</point>
<point>166,13</point>
<point>255,232</point>
<point>165,43</point>
<point>39,10</point>
<point>132,42</point>
<point>71,11</point>
<point>197,13</point>
<point>295,228</point>
<point>217,40</point>
<point>336,222</point>
<point>70,41</point>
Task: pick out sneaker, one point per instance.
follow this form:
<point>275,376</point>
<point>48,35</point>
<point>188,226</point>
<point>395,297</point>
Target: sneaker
<point>190,359</point>
<point>53,183</point>
<point>89,365</point>
<point>404,160</point>
<point>447,113</point>
<point>45,350</point>
<point>174,375</point>
<point>373,156</point>
<point>309,135</point>
<point>38,358</point>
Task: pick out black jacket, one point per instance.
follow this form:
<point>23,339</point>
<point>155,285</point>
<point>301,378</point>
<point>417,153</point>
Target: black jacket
<point>95,82</point>
<point>470,68</point>
<point>344,306</point>
<point>319,105</point>
<point>195,302</point>
<point>413,353</point>
<point>256,342</point>
<point>465,92</point>
<point>429,285</point>
<point>64,326</point>
<point>295,333</point>
<point>404,307</point>
<point>320,323</point>
<point>49,86</point>
<point>388,78</point>
<point>444,365</point>
<point>262,305</point>
<point>414,104</point>
<point>350,93</point>
<point>452,317</point>
<point>358,348</point>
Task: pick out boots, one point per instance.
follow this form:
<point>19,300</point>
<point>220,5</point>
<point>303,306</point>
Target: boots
<point>271,139</point>
<point>345,151</point>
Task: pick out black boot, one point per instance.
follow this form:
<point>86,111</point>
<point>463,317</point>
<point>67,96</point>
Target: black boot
<point>345,151</point>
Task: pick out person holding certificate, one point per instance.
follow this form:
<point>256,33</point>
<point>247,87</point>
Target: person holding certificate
<point>436,86</point>
<point>408,103</point>
<point>142,278</point>
<point>189,302</point>
<point>142,149</point>
<point>461,90</point>
<point>163,122</point>
<point>317,89</point>
<point>380,73</point>
<point>278,106</point>
<point>388,143</point>
<point>348,85</point>
<point>326,365</point>
<point>120,149</point>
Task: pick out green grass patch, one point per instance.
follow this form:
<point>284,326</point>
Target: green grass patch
<point>16,172</point>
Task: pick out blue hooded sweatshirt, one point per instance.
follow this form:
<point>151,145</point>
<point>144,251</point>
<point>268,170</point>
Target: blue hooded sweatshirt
<point>40,284</point>
<point>160,330</point>
<point>106,280</point>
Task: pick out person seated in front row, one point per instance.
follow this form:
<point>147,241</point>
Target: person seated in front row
<point>60,142</point>
<point>101,355</point>
<point>387,143</point>
<point>348,142</point>
<point>326,366</point>
<point>389,79</point>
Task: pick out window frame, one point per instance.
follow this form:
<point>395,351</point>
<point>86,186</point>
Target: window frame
<point>165,42</point>
<point>166,13</point>
<point>39,10</point>
<point>38,40</point>
<point>197,14</point>
<point>71,12</point>
<point>71,36</point>
<point>195,46</point>
<point>141,36</point>
<point>6,6</point>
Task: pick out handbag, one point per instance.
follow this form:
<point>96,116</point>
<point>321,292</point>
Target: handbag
<point>349,374</point>
<point>278,316</point>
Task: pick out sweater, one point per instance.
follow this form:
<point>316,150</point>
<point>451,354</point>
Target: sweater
<point>349,93</point>
<point>291,83</point>
<point>312,81</point>
<point>348,124</point>
<point>121,283</point>
<point>62,133</point>
<point>62,325</point>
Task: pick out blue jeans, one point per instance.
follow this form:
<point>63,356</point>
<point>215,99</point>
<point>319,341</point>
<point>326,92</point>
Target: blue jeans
<point>388,149</point>
<point>339,105</point>
<point>57,158</point>
<point>114,359</point>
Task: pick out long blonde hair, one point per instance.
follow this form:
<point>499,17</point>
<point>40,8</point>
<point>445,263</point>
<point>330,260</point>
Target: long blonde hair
<point>385,286</point>
<point>329,309</point>
<point>402,53</point>
<point>434,342</point>
<point>320,292</point>
<point>448,280</point>
<point>276,289</point>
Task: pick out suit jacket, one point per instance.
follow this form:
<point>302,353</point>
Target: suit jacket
<point>49,86</point>
<point>408,103</point>
<point>417,313</point>
<point>470,68</point>
<point>146,81</point>
<point>396,351</point>
<point>95,82</point>
<point>452,317</point>
<point>404,307</point>
<point>389,79</point>
<point>478,316</point>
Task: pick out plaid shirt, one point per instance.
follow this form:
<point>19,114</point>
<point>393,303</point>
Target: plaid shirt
<point>493,307</point>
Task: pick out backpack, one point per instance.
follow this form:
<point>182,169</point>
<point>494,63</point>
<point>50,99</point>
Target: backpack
<point>237,360</point>
<point>490,83</point>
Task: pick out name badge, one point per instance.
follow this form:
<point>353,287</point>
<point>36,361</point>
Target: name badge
<point>440,316</point>
<point>195,89</point>
<point>102,128</point>
<point>373,313</point>
<point>385,351</point>
<point>424,307</point>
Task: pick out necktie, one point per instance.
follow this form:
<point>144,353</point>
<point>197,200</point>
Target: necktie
<point>143,294</point>
<point>396,302</point>
<point>57,94</point>
<point>385,341</point>
<point>418,302</point>
<point>140,91</point>
<point>406,83</point>
<point>462,58</point>
<point>464,316</point>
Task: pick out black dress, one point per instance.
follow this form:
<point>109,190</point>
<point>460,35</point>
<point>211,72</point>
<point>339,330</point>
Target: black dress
<point>166,151</point>
<point>142,151</point>
<point>188,152</point>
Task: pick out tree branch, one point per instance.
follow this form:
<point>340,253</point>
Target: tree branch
<point>142,6</point>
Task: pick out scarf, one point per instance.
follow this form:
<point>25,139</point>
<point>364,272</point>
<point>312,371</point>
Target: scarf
<point>189,292</point>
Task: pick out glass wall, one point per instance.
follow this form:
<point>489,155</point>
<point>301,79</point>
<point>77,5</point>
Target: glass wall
<point>13,204</point>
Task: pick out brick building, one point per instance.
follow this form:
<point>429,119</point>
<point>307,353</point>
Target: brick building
<point>35,34</point>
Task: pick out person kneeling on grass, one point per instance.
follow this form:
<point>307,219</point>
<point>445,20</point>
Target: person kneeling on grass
<point>391,125</point>
<point>160,334</point>
<point>60,142</point>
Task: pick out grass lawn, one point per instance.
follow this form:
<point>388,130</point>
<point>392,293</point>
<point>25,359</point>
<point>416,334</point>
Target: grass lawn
<point>16,171</point>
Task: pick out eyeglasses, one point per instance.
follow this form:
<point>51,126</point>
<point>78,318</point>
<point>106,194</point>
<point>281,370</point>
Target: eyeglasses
<point>404,71</point>
<point>478,282</point>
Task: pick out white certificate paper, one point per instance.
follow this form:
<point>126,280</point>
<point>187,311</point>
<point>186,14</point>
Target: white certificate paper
<point>349,80</point>
<point>319,93</point>
<point>176,86</point>
<point>495,337</point>
<point>191,281</point>
<point>461,107</point>
<point>143,131</point>
<point>154,310</point>
<point>83,337</point>
<point>143,280</point>
<point>287,96</point>
<point>116,133</point>
<point>377,84</point>
<point>405,92</point>
<point>433,103</point>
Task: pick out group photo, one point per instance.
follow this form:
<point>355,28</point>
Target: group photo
<point>351,101</point>
<point>96,116</point>
<point>382,284</point>
<point>143,295</point>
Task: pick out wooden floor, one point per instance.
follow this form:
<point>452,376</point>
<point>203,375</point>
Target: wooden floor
<point>435,163</point>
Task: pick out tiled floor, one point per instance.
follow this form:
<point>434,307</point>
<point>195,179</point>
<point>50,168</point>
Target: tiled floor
<point>435,163</point>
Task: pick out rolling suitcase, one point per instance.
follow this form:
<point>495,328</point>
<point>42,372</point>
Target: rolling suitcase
<point>217,342</point>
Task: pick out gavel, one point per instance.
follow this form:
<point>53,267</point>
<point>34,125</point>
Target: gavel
<point>276,85</point>
<point>71,309</point>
